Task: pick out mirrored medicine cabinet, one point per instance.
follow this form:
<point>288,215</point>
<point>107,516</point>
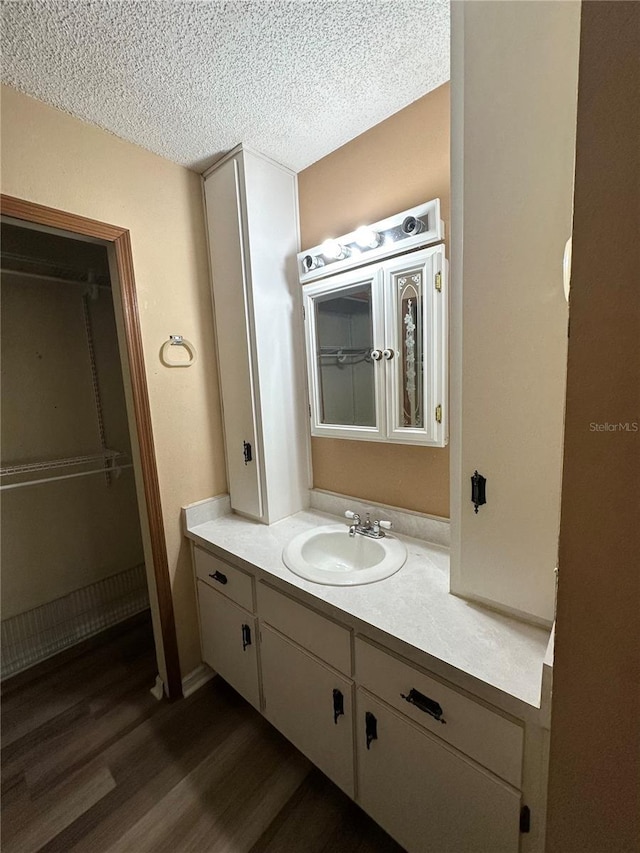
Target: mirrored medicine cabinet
<point>376,342</point>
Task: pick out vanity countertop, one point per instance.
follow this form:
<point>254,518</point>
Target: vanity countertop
<point>414,605</point>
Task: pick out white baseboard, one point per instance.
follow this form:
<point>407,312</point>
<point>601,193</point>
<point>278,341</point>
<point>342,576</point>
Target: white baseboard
<point>38,634</point>
<point>196,679</point>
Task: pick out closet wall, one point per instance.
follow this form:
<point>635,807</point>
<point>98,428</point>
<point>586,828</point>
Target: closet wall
<point>72,559</point>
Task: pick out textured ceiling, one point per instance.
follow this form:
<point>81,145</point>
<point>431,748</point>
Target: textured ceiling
<point>189,80</point>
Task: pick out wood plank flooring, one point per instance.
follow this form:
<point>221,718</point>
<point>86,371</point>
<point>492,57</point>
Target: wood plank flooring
<point>92,762</point>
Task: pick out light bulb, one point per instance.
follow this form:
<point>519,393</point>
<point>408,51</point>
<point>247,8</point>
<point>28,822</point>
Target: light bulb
<point>367,238</point>
<point>334,251</point>
<point>412,225</point>
<point>311,262</point>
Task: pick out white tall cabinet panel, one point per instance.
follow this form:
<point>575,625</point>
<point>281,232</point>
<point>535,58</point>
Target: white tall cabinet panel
<point>232,306</point>
<point>513,111</point>
<point>252,220</point>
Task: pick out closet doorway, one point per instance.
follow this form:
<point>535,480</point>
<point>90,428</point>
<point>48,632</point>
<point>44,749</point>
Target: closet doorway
<point>83,538</point>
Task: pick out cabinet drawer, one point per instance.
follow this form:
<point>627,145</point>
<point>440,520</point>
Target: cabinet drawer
<point>310,704</point>
<point>484,735</point>
<point>229,642</point>
<point>323,637</point>
<point>228,580</point>
<point>428,797</point>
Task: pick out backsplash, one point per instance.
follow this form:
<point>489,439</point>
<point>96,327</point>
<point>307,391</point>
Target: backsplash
<point>405,522</point>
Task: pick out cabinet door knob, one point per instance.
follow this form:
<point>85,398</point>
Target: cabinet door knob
<point>376,354</point>
<point>388,354</point>
<point>371,728</point>
<point>338,705</point>
<point>218,576</point>
<point>246,637</point>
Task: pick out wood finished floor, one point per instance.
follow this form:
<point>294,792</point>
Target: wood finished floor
<point>92,762</point>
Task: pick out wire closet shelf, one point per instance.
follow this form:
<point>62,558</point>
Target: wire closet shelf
<point>109,462</point>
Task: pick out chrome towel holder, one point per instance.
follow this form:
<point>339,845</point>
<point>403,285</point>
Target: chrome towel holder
<point>177,341</point>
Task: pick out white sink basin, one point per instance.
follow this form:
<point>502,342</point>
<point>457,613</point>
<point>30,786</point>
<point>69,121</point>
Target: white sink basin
<point>329,555</point>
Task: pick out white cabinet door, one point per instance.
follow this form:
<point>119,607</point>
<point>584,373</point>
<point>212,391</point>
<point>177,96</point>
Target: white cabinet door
<point>231,308</point>
<point>310,704</point>
<point>229,642</point>
<point>415,350</point>
<point>345,333</point>
<point>428,797</point>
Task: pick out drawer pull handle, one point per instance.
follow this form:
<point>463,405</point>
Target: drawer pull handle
<point>423,703</point>
<point>218,576</point>
<point>338,705</point>
<point>371,728</point>
<point>246,637</point>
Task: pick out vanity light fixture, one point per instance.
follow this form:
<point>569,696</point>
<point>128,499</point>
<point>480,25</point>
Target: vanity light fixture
<point>412,229</point>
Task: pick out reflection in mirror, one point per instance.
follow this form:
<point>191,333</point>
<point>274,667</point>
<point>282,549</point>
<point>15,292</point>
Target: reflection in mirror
<point>344,341</point>
<point>408,288</point>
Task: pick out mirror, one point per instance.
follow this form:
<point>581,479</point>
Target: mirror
<point>344,342</point>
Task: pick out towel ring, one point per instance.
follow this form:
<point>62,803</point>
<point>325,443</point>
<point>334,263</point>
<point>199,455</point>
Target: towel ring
<point>177,341</point>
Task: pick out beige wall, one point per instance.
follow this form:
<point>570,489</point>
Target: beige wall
<point>53,159</point>
<point>594,789</point>
<point>61,536</point>
<point>398,164</point>
<point>514,84</point>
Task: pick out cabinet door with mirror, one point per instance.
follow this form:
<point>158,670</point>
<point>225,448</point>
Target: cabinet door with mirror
<point>377,351</point>
<point>344,320</point>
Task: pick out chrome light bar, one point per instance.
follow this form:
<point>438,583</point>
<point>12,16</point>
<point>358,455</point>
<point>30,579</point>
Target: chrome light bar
<point>411,229</point>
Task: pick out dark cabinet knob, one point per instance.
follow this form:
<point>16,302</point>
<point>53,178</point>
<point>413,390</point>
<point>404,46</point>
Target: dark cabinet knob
<point>246,637</point>
<point>371,728</point>
<point>219,577</point>
<point>338,705</point>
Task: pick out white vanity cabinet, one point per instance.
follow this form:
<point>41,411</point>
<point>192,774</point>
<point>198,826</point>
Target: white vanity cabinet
<point>307,687</point>
<point>436,767</point>
<point>426,795</point>
<point>228,630</point>
<point>252,224</point>
<point>311,704</point>
<point>229,642</point>
<point>377,351</point>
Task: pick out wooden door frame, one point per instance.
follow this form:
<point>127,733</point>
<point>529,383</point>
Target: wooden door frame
<point>119,238</point>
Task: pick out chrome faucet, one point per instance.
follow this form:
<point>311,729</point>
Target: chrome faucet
<point>371,529</point>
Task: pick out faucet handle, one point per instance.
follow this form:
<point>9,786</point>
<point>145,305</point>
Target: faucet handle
<point>354,515</point>
<point>386,525</point>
